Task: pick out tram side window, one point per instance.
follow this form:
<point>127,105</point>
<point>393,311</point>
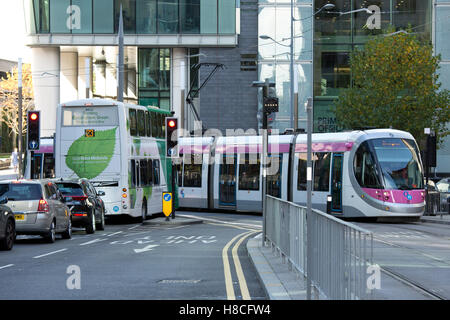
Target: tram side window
<point>133,124</point>
<point>143,173</point>
<point>192,176</point>
<point>179,168</point>
<point>141,123</point>
<point>156,172</point>
<point>321,171</point>
<point>365,168</point>
<point>274,177</point>
<point>133,173</point>
<point>249,172</point>
<point>148,127</point>
<point>301,173</point>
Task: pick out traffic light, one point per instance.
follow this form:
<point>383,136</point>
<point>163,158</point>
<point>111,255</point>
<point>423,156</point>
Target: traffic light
<point>33,130</point>
<point>171,137</point>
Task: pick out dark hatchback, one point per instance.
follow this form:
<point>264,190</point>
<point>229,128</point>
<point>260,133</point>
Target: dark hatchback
<point>88,209</point>
<point>7,226</point>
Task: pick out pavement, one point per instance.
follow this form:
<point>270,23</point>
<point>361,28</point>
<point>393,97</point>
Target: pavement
<point>7,174</point>
<point>282,282</point>
<point>443,218</point>
<point>178,221</point>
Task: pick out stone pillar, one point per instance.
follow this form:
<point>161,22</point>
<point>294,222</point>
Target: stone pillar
<point>69,76</point>
<point>179,58</point>
<point>82,77</point>
<point>45,65</point>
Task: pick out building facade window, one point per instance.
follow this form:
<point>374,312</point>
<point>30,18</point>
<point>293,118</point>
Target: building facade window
<point>139,16</point>
<point>336,36</point>
<point>154,77</point>
<point>103,16</point>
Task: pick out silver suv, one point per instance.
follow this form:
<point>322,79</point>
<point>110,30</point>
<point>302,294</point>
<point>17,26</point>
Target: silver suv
<point>38,208</point>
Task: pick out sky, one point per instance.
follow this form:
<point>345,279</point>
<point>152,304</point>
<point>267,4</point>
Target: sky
<point>12,31</point>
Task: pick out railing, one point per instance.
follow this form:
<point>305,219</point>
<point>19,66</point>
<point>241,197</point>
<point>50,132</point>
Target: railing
<point>340,252</point>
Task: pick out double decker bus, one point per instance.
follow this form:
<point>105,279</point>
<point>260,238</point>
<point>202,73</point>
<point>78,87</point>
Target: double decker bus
<point>120,148</point>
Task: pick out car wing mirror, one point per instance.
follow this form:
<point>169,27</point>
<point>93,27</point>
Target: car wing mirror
<point>3,200</point>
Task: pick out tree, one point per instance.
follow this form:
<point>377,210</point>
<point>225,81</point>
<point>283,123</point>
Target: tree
<point>9,98</point>
<point>395,84</point>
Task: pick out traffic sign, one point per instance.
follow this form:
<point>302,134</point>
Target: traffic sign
<point>167,203</point>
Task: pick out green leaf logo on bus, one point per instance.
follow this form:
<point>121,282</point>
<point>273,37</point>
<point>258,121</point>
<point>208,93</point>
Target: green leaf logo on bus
<point>88,157</point>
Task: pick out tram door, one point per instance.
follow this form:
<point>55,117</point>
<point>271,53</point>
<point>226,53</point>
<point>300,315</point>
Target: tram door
<point>227,180</point>
<point>336,183</point>
<point>36,166</point>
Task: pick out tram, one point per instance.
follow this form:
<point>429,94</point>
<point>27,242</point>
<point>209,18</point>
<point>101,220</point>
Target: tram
<point>370,173</point>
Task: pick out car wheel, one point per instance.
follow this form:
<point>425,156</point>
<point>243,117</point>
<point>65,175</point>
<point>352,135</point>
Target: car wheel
<point>101,225</point>
<point>68,233</point>
<point>90,228</point>
<point>144,211</point>
<point>51,235</point>
<point>10,235</point>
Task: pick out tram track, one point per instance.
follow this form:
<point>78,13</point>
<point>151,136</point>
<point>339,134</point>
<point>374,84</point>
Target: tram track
<point>406,280</point>
<point>413,284</point>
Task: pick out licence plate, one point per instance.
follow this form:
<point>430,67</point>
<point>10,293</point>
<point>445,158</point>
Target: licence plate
<point>19,217</point>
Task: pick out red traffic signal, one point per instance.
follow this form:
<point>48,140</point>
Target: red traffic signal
<point>171,123</point>
<point>171,137</point>
<point>33,130</point>
<point>33,116</point>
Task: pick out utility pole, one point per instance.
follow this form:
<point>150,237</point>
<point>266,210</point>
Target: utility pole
<point>20,117</point>
<point>268,107</point>
<point>120,67</point>
<point>309,224</point>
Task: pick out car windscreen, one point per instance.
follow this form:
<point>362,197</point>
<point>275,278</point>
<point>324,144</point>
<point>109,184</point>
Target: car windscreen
<point>21,191</point>
<point>71,189</point>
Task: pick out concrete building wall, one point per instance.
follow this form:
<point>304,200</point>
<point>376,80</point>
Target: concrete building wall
<point>45,67</point>
<point>228,100</point>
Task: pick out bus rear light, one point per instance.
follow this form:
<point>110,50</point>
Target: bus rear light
<point>124,190</point>
<point>43,206</point>
<point>124,195</point>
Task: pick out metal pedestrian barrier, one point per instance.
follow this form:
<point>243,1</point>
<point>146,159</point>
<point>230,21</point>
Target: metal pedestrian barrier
<point>341,252</point>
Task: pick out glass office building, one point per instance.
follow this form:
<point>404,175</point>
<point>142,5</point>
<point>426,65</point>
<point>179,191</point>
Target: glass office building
<point>323,41</point>
<point>75,46</point>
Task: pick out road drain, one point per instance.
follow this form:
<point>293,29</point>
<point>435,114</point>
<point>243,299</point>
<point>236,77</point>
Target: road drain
<point>178,281</point>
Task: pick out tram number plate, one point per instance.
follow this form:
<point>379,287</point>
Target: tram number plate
<point>89,133</point>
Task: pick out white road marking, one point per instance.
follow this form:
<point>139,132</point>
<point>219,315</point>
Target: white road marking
<point>147,248</point>
<point>133,227</point>
<point>112,234</point>
<point>7,266</point>
<point>47,254</point>
<point>91,242</point>
<point>221,221</point>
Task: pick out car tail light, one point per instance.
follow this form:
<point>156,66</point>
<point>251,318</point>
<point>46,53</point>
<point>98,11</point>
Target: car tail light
<point>43,206</point>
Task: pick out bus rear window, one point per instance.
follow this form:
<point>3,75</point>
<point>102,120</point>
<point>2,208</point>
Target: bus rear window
<point>89,116</point>
<point>71,189</point>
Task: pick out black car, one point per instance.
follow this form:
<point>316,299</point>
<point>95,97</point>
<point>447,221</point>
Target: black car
<point>88,209</point>
<point>7,226</point>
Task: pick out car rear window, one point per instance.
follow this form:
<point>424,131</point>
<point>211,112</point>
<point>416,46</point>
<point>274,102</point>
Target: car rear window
<point>70,189</point>
<point>21,191</point>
